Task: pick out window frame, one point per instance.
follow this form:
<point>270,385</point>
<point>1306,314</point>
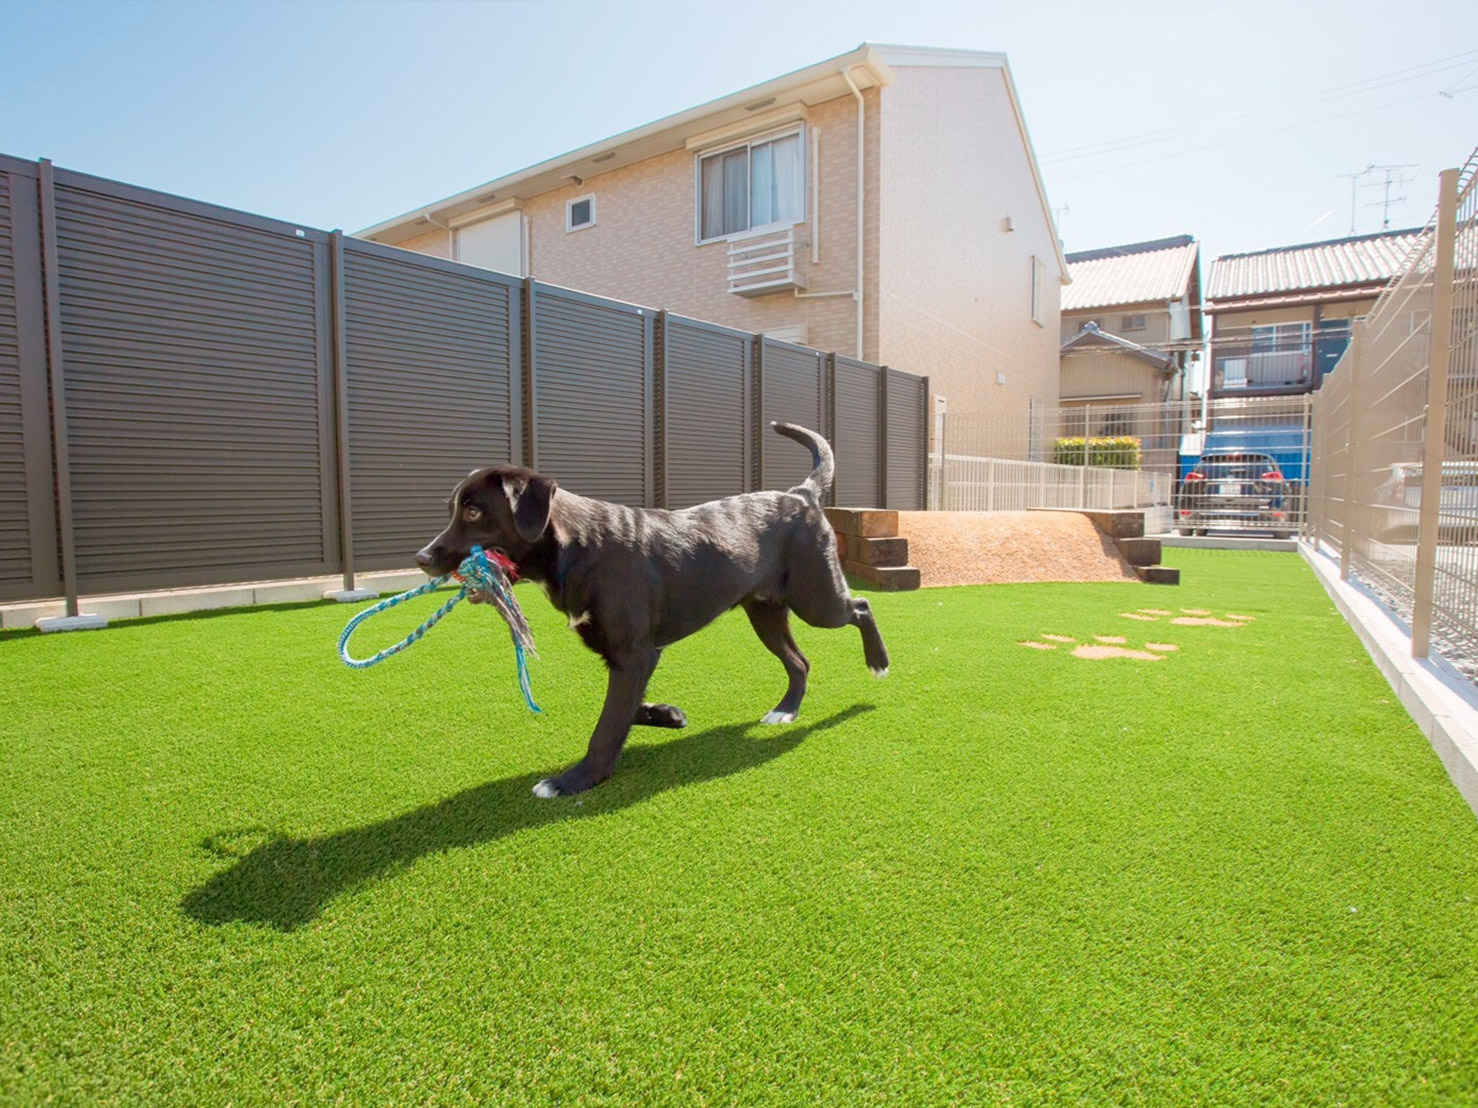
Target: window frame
<point>748,144</point>
<point>571,226</point>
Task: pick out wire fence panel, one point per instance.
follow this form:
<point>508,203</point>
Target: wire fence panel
<point>1395,436</point>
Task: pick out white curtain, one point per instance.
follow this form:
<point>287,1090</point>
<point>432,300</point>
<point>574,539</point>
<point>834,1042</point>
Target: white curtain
<point>777,189</point>
<point>725,193</point>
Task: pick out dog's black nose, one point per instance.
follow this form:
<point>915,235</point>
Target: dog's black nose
<point>423,558</point>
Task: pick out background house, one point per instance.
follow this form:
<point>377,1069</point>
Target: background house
<point>884,203</point>
<point>1130,329</point>
<point>1280,318</point>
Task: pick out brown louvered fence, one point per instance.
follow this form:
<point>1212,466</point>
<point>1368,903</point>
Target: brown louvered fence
<point>191,395</point>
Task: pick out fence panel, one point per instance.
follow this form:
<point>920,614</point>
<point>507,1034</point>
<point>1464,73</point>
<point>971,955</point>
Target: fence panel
<point>433,361</point>
<point>591,392</point>
<point>907,398</point>
<point>194,349</point>
<point>28,539</point>
<point>243,399</point>
<point>1396,436</point>
<point>706,405</point>
<point>791,391</point>
<point>857,404</point>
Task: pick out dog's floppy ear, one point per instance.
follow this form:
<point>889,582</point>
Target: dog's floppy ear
<point>531,507</point>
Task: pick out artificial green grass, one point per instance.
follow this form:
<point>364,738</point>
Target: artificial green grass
<point>235,871</point>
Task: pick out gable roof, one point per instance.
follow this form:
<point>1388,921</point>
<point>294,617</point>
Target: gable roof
<point>1360,263</point>
<point>1158,270</point>
<point>868,65</point>
<point>1090,335</point>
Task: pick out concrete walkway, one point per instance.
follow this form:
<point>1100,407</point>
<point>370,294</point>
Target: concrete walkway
<point>168,602</point>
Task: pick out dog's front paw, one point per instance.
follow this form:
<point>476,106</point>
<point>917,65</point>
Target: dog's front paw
<point>574,780</point>
<point>778,717</point>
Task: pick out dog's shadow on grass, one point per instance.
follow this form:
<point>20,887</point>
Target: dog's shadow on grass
<point>285,882</point>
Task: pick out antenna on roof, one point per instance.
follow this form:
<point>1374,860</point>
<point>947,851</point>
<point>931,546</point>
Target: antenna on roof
<point>1400,181</point>
<point>1354,179</point>
<point>1367,178</point>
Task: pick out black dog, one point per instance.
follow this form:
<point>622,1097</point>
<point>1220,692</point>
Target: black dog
<point>635,580</point>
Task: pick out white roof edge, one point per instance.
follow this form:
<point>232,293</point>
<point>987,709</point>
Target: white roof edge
<point>864,55</point>
<point>1031,159</point>
<point>940,56</point>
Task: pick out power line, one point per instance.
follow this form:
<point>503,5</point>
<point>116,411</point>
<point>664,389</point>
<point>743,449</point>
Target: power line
<point>1240,138</point>
<point>1338,92</point>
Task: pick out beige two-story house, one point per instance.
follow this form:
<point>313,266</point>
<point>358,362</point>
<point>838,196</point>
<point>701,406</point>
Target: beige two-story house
<point>1130,329</point>
<point>884,204</point>
<point>1280,318</point>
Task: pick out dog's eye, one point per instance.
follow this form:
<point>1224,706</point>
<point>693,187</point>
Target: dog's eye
<point>471,514</point>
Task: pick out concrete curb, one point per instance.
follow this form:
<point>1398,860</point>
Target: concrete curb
<point>1227,542</point>
<point>1441,701</point>
<point>168,602</point>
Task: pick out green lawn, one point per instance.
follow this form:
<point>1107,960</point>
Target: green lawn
<point>234,871</point>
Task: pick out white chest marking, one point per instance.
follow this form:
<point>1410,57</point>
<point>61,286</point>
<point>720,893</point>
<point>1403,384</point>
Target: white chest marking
<point>582,618</point>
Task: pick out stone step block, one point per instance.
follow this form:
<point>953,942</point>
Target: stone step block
<point>874,552</point>
<point>887,578</point>
<point>867,523</point>
<point>1158,575</point>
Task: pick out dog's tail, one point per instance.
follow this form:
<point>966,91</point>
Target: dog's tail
<point>824,463</point>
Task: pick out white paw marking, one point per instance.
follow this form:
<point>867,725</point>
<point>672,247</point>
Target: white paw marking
<point>878,672</point>
<point>778,717</point>
<point>545,790</point>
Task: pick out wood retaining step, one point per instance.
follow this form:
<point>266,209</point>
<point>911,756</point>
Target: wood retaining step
<point>1126,529</point>
<point>1158,575</point>
<point>887,578</point>
<point>1140,552</point>
<point>871,549</point>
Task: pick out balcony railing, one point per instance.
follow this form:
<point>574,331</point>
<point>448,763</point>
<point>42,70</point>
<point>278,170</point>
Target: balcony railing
<point>1245,368</point>
<point>764,262</point>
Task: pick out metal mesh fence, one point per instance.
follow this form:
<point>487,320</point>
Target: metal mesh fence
<point>991,463</point>
<point>1395,436</point>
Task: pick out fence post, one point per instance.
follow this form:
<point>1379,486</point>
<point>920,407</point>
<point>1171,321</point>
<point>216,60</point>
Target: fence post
<point>943,503</point>
<point>882,436</point>
<point>1307,484</point>
<point>339,364</point>
<point>1428,521</point>
<point>1352,447</point>
<point>656,421</point>
<point>530,413</point>
<point>51,283</point>
<point>990,485</point>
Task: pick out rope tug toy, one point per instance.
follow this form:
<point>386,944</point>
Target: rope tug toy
<point>490,575</point>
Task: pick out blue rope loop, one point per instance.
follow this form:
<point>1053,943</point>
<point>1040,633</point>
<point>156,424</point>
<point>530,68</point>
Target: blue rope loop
<point>477,571</point>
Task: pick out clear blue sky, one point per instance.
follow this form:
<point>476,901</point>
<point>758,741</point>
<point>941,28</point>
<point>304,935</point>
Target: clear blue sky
<point>1234,122</point>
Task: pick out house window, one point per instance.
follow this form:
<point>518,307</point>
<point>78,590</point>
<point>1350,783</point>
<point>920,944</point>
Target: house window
<point>1133,323</point>
<point>1039,291</point>
<point>755,185</point>
<point>580,213</point>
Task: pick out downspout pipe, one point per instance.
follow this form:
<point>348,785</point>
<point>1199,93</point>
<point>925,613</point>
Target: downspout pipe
<point>451,235</point>
<point>861,149</point>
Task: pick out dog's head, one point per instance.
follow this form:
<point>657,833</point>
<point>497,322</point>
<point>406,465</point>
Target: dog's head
<point>505,508</point>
